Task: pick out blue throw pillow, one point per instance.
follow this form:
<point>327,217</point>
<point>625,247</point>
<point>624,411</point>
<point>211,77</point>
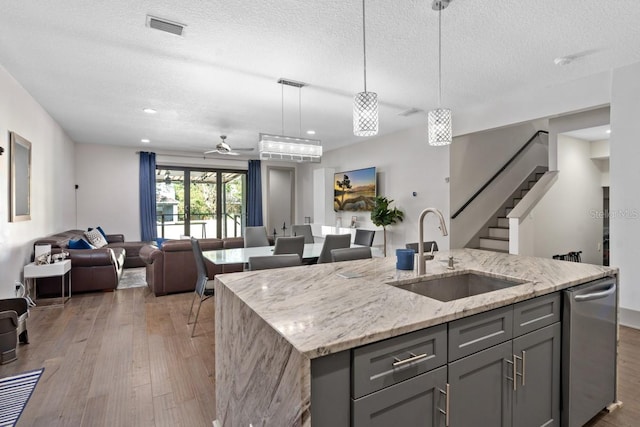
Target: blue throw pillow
<point>100,230</point>
<point>79,244</point>
<point>160,241</point>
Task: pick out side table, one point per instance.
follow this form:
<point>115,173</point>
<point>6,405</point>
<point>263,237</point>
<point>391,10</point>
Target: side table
<point>57,269</point>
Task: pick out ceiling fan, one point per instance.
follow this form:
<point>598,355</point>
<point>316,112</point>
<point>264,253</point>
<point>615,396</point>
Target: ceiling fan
<point>224,148</point>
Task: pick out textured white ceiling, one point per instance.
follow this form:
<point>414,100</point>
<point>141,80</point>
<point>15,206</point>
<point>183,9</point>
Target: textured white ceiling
<point>94,65</point>
<point>598,133</point>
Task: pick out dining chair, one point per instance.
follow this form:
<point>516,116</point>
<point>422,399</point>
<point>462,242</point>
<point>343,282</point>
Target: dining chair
<point>255,236</point>
<point>289,245</point>
<point>204,286</point>
<point>350,254</point>
<point>364,237</point>
<point>333,241</point>
<point>273,261</point>
<point>303,230</point>
<point>427,246</point>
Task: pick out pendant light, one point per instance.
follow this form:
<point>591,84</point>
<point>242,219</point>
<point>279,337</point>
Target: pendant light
<point>365,104</point>
<point>439,120</point>
<point>290,148</point>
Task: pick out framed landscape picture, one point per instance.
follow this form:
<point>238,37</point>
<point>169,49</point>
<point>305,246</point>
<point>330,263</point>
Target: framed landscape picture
<point>354,190</point>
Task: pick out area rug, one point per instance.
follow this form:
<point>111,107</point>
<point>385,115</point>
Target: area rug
<point>133,278</point>
<point>15,392</point>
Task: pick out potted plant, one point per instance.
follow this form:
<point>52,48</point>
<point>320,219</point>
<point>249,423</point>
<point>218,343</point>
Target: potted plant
<point>383,215</point>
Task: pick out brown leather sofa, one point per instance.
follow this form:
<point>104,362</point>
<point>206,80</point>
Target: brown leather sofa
<point>172,267</point>
<point>91,269</point>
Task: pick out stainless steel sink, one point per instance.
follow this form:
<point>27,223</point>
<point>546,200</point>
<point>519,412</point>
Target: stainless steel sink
<point>459,286</point>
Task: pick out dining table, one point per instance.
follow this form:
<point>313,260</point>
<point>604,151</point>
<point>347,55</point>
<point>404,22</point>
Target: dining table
<point>242,255</point>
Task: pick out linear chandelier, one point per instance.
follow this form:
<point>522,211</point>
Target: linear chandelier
<point>365,104</point>
<point>439,120</point>
<point>290,148</point>
<point>281,147</point>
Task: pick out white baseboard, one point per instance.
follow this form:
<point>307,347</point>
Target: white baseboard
<point>630,318</point>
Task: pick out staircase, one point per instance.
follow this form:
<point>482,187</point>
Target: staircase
<point>498,238</point>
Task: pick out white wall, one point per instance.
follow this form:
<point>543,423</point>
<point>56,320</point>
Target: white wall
<point>108,193</point>
<point>281,186</point>
<point>475,158</point>
<point>108,190</point>
<point>323,191</point>
<point>569,122</point>
<point>600,149</point>
<point>624,194</point>
<point>404,163</point>
<point>52,179</point>
<point>568,218</point>
<point>600,153</point>
<point>532,104</point>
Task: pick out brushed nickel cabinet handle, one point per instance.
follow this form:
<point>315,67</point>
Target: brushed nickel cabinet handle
<point>413,358</point>
<point>513,378</point>
<point>523,359</point>
<point>446,404</point>
<point>524,362</point>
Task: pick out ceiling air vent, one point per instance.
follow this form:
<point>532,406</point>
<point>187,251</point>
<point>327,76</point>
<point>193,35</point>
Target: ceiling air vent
<point>165,25</point>
<point>410,112</point>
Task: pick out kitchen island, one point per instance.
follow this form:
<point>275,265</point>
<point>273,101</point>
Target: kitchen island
<point>272,326</point>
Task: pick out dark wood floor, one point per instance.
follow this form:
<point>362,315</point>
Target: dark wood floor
<point>126,358</point>
<point>121,358</point>
<point>628,384</point>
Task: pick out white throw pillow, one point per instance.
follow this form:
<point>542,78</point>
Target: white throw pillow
<point>95,238</point>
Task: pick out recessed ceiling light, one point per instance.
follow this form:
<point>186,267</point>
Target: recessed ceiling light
<point>149,111</point>
<point>311,132</point>
<point>608,131</point>
<point>145,140</point>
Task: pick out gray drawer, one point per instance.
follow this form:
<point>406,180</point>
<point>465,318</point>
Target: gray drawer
<point>373,364</point>
<point>536,313</point>
<point>414,402</point>
<point>480,331</point>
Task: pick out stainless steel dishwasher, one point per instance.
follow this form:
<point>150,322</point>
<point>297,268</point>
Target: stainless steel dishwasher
<point>588,350</point>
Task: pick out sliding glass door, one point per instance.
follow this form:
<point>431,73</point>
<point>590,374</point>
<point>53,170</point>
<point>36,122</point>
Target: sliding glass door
<point>200,202</point>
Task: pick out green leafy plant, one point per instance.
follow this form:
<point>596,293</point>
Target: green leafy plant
<point>384,215</point>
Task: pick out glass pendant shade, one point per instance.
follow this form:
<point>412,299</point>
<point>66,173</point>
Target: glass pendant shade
<point>289,148</point>
<point>440,132</point>
<point>365,114</point>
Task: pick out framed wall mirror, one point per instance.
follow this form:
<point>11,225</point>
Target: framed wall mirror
<point>19,178</point>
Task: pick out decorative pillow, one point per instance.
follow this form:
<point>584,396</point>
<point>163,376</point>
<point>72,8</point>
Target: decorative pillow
<point>160,241</point>
<point>79,244</point>
<point>100,230</point>
<point>96,238</point>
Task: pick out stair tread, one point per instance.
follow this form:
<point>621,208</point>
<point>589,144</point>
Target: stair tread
<point>492,250</point>
<point>501,228</point>
<point>503,239</point>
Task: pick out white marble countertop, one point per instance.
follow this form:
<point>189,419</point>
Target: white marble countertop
<point>320,313</point>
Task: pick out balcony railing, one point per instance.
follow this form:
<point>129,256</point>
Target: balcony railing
<point>172,226</point>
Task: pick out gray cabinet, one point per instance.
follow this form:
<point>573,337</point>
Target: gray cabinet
<point>503,370</point>
<point>515,383</point>
<point>537,396</point>
<point>480,392</point>
<point>401,380</point>
<point>474,333</point>
<point>416,402</point>
<point>482,389</point>
<point>384,363</point>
